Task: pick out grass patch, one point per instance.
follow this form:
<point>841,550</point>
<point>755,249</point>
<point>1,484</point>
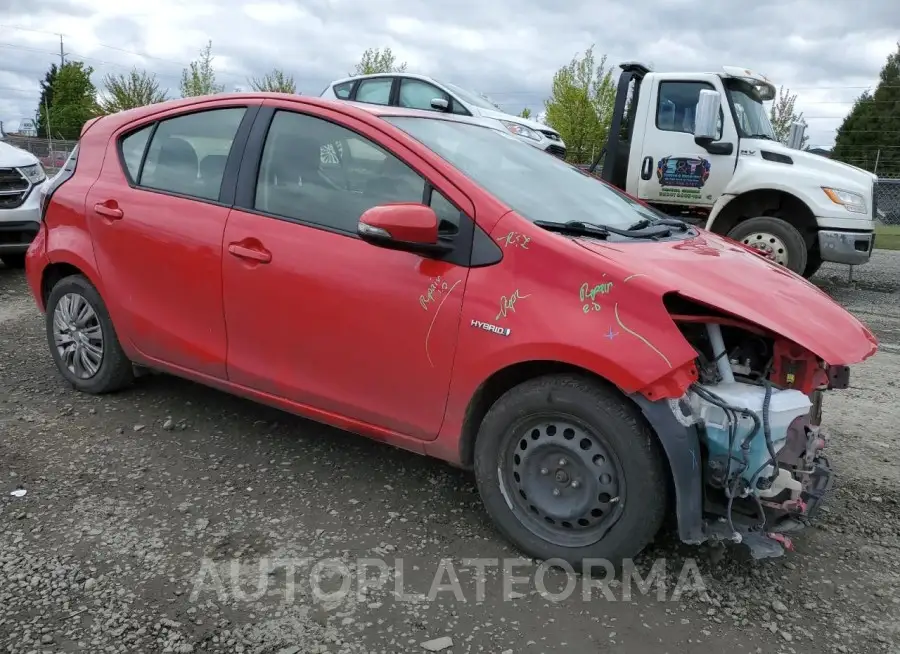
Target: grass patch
<point>887,237</point>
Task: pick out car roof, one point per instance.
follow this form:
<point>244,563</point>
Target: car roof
<point>349,78</point>
<point>353,109</point>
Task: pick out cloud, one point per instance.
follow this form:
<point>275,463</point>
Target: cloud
<point>509,49</point>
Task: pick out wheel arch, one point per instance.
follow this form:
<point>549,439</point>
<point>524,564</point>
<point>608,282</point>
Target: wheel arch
<point>680,443</point>
<point>766,202</point>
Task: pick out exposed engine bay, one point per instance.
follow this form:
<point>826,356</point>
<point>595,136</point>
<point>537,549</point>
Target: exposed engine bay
<point>757,407</point>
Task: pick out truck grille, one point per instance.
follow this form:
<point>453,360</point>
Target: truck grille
<point>14,188</point>
<point>557,151</point>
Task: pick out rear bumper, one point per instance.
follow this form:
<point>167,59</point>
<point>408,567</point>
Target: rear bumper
<point>852,248</point>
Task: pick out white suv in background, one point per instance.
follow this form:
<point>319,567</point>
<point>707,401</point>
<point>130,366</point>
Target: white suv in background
<point>21,180</point>
<point>422,92</point>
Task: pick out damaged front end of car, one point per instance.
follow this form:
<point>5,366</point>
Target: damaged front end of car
<point>744,440</point>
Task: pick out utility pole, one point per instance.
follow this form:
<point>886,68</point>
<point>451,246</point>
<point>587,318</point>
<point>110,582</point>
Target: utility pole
<point>62,55</point>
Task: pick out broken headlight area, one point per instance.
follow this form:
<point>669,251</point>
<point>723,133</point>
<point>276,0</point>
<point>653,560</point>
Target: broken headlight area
<point>756,405</point>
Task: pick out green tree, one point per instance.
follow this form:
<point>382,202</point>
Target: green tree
<point>870,133</point>
<point>40,120</point>
<point>526,113</point>
<point>74,100</point>
<point>200,77</point>
<point>276,81</point>
<point>782,114</point>
<point>130,90</point>
<point>581,104</point>
<point>375,60</point>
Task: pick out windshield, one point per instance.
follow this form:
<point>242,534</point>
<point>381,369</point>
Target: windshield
<point>537,185</point>
<point>749,111</point>
<point>471,98</point>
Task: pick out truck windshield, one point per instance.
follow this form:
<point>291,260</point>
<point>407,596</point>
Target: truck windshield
<point>537,185</point>
<point>752,121</point>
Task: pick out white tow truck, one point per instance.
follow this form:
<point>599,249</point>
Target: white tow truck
<point>700,146</point>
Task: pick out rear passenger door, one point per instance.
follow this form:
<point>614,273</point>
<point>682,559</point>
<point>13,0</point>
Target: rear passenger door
<point>315,314</point>
<point>157,216</point>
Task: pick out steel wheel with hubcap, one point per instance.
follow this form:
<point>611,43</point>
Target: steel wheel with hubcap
<point>82,338</point>
<point>568,469</point>
<point>78,335</point>
<point>776,239</point>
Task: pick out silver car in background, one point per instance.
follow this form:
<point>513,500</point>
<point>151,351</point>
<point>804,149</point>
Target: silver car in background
<point>422,92</point>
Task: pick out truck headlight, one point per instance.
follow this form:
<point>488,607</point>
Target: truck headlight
<point>34,174</point>
<point>851,201</point>
<point>520,130</point>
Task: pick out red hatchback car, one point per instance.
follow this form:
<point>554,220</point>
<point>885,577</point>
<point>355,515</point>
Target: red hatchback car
<point>433,283</point>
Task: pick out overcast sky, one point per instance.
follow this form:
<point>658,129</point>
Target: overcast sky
<point>826,52</point>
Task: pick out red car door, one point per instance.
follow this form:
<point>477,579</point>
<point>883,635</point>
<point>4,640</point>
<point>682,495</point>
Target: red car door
<point>315,314</point>
<point>157,222</point>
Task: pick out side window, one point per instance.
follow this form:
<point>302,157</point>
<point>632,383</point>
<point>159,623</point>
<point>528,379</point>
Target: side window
<point>343,90</point>
<point>447,214</point>
<point>456,107</point>
<point>187,154</point>
<point>375,91</point>
<point>416,94</point>
<point>319,172</point>
<point>677,104</point>
<point>133,147</point>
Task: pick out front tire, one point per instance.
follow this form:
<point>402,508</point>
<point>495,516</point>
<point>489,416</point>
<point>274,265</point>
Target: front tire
<point>775,238</point>
<point>14,261</point>
<point>82,339</point>
<point>567,469</point>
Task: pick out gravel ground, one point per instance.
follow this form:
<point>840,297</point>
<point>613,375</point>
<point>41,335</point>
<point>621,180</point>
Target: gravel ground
<point>135,499</point>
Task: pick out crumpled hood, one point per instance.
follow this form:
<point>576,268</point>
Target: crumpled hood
<point>725,275</point>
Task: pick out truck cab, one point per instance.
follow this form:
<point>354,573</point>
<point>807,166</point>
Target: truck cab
<point>700,146</point>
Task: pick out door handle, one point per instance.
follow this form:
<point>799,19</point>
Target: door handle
<point>113,213</point>
<point>243,252</point>
<point>647,168</point>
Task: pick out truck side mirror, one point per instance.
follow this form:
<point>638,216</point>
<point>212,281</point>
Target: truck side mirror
<point>795,138</point>
<point>706,117</point>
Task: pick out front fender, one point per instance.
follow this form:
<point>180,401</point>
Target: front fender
<point>681,443</point>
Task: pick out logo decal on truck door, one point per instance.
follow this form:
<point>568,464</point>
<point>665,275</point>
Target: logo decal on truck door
<point>682,177</point>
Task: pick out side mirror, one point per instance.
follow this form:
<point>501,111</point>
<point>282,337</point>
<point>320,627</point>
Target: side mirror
<point>795,138</point>
<point>402,226</point>
<point>707,116</point>
<point>440,104</point>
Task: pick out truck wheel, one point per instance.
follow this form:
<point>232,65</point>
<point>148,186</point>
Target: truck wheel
<point>82,340</point>
<point>568,470</point>
<point>813,263</point>
<point>13,260</point>
<point>777,239</point>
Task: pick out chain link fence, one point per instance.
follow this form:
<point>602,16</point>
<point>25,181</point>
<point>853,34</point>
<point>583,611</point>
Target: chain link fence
<point>52,153</point>
<point>887,199</point>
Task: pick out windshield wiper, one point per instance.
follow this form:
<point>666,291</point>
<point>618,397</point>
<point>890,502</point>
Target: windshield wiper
<point>579,228</point>
<point>644,223</point>
<point>761,136</point>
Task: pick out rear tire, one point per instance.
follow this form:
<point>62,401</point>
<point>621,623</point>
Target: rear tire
<point>15,261</point>
<point>555,460</point>
<point>780,241</point>
<point>82,339</point>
